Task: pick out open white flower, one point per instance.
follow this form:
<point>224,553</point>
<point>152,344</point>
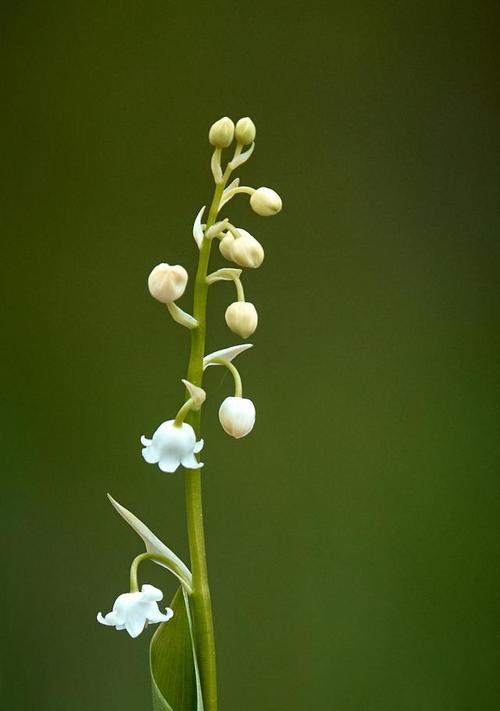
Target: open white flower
<point>172,446</point>
<point>132,611</point>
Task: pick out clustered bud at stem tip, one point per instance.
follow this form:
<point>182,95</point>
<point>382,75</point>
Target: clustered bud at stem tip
<point>245,131</point>
<point>221,133</point>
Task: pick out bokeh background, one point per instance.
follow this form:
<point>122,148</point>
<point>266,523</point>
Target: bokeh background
<point>353,537</point>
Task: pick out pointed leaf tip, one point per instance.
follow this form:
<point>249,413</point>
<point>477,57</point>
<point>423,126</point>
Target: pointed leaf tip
<point>226,353</point>
<point>197,228</point>
<point>155,545</point>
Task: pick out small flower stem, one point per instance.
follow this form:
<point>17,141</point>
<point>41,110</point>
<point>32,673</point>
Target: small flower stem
<point>239,290</point>
<point>245,189</point>
<point>181,415</point>
<point>134,586</point>
<point>200,597</point>
<point>238,388</point>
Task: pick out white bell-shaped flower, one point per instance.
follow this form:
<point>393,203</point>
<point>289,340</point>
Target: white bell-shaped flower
<point>171,446</point>
<point>132,611</point>
<point>237,416</point>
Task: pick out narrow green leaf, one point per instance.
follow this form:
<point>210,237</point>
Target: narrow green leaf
<point>199,695</point>
<point>174,672</point>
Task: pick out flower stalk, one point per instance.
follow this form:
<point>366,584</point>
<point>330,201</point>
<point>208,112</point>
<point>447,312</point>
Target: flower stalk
<point>238,386</point>
<point>134,569</point>
<point>200,596</point>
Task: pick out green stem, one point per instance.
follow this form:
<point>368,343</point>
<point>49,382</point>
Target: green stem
<point>238,388</point>
<point>182,414</point>
<point>134,585</point>
<point>200,597</point>
<point>239,289</point>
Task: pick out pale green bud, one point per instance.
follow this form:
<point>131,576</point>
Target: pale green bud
<point>245,131</point>
<point>221,133</point>
<point>265,202</point>
<point>242,318</point>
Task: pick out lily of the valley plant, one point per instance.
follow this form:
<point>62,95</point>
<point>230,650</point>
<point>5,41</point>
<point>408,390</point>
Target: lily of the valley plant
<point>182,651</point>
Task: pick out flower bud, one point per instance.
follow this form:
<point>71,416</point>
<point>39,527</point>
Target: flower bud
<point>225,246</point>
<point>242,318</point>
<point>221,133</point>
<point>167,283</point>
<point>237,416</point>
<point>245,131</point>
<point>265,202</point>
<point>245,250</point>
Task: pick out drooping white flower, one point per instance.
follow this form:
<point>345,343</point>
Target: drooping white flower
<point>237,416</point>
<point>171,446</point>
<point>132,611</point>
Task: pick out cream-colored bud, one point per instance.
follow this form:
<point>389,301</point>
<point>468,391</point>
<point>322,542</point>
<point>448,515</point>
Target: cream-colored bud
<point>265,202</point>
<point>221,133</point>
<point>167,283</point>
<point>225,246</point>
<point>242,318</point>
<point>245,250</point>
<point>245,131</point>
<point>237,416</point>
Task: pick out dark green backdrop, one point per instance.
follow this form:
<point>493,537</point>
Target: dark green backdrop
<point>353,536</point>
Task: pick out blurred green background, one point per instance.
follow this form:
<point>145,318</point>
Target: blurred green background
<point>353,537</point>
